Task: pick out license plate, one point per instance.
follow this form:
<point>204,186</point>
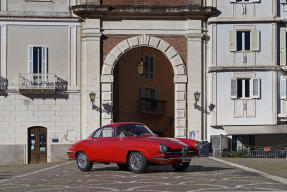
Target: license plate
<point>186,160</point>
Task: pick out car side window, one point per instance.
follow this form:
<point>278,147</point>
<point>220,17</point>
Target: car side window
<point>97,133</point>
<point>108,132</point>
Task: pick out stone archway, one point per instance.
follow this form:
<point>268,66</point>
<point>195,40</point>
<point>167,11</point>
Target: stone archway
<point>180,77</point>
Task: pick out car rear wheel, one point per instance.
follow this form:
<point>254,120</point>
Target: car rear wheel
<point>123,166</point>
<point>181,166</point>
<point>137,162</point>
<point>83,163</point>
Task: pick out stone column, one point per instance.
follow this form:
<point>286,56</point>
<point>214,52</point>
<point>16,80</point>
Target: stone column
<point>90,76</point>
<point>195,77</point>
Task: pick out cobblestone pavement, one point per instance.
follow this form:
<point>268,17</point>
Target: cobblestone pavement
<point>203,175</point>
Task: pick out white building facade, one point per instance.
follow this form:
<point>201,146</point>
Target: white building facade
<point>247,71</point>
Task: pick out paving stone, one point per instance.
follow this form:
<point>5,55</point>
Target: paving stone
<point>203,175</point>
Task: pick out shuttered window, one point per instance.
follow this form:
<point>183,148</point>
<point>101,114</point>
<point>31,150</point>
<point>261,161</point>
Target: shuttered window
<point>242,88</point>
<point>283,90</point>
<point>244,40</point>
<point>283,47</point>
<point>242,1</point>
<point>38,59</point>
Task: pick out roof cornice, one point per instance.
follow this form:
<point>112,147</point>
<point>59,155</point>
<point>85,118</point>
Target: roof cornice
<point>159,12</point>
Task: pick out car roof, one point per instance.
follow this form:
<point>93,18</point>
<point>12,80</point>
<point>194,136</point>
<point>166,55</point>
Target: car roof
<point>122,123</point>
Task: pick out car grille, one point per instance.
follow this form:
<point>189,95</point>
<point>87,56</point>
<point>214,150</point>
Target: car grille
<point>184,151</point>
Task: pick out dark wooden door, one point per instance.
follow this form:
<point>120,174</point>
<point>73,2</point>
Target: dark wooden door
<point>37,145</point>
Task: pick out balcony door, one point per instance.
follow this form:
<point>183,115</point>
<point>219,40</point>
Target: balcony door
<point>38,59</point>
<point>37,145</point>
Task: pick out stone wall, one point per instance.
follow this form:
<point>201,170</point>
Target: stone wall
<point>60,114</point>
<point>58,152</point>
<point>12,154</point>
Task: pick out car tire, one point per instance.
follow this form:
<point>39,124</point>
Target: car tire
<point>123,166</point>
<point>181,166</point>
<point>83,163</point>
<point>137,162</point>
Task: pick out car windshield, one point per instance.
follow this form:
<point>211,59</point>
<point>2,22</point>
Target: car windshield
<point>131,130</point>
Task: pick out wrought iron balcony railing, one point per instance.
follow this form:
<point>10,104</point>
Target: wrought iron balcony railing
<point>152,106</point>
<point>41,82</point>
<point>3,84</point>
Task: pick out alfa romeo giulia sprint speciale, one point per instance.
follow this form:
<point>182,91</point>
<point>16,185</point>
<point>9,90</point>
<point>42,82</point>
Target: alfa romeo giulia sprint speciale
<point>132,146</point>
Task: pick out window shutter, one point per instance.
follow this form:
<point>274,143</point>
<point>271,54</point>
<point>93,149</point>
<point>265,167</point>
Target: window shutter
<point>233,88</point>
<point>255,40</point>
<point>282,47</point>
<point>44,59</point>
<point>30,59</point>
<point>283,91</point>
<point>232,40</point>
<point>255,88</point>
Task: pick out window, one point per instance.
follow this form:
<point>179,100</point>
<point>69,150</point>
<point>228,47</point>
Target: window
<point>149,100</point>
<point>245,1</point>
<point>108,132</point>
<point>244,40</point>
<point>97,133</point>
<point>149,93</point>
<point>283,48</point>
<point>149,66</point>
<point>283,87</point>
<point>243,88</point>
<point>38,59</point>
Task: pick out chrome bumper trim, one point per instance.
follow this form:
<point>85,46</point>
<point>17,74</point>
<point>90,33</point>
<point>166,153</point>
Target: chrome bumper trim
<point>70,152</point>
<point>171,158</point>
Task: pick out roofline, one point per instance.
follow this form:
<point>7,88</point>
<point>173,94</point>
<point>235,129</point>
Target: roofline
<point>159,12</point>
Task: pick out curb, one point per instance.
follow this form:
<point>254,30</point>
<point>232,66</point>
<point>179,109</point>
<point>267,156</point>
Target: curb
<point>273,177</point>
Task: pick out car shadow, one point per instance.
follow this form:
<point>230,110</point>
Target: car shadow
<point>165,168</point>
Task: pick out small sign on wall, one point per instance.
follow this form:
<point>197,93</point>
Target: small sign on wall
<point>55,140</point>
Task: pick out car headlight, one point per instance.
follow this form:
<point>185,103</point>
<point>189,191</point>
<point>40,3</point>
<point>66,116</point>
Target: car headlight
<point>163,148</point>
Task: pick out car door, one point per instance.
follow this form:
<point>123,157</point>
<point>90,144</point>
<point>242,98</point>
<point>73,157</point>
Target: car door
<point>103,145</point>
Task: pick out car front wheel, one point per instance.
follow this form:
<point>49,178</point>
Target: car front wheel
<point>181,166</point>
<point>83,163</point>
<point>137,162</point>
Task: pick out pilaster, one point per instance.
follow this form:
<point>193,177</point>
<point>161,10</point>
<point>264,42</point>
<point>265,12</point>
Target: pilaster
<point>91,61</point>
<point>195,64</point>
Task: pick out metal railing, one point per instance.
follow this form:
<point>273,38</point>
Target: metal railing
<point>3,84</point>
<point>152,106</point>
<point>42,81</point>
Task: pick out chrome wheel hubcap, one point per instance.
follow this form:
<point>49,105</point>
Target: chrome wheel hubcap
<point>136,161</point>
<point>82,160</point>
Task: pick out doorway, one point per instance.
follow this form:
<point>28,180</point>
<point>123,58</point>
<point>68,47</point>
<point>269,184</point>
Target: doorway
<point>148,97</point>
<point>37,144</point>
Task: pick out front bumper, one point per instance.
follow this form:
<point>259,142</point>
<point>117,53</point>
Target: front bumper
<point>171,158</point>
<point>71,155</point>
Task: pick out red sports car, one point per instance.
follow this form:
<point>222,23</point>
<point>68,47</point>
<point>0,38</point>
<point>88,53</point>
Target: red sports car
<point>133,146</point>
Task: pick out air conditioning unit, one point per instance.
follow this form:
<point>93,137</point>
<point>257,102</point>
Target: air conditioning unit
<point>283,1</point>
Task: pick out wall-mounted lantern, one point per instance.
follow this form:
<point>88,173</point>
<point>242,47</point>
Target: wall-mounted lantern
<point>92,96</point>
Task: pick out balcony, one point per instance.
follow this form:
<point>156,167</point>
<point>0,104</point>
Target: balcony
<point>152,106</point>
<point>41,83</point>
<point>3,84</point>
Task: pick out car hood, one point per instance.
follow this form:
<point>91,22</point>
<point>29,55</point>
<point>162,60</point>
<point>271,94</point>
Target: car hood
<point>170,142</point>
